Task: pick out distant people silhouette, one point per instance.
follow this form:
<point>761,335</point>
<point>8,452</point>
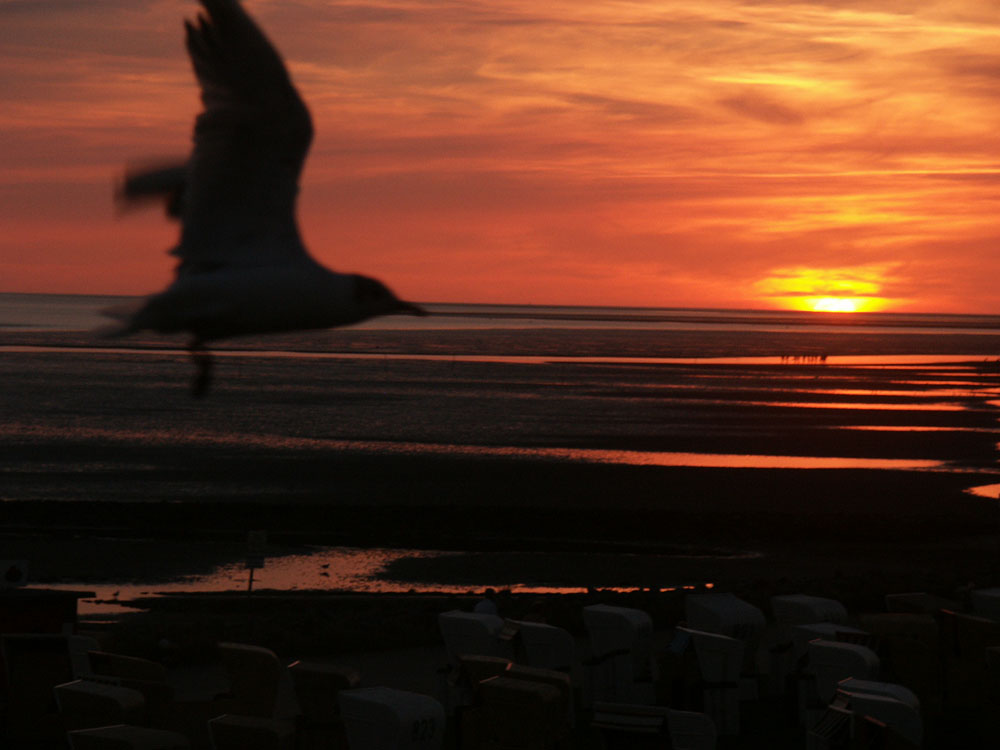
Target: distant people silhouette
<point>243,267</point>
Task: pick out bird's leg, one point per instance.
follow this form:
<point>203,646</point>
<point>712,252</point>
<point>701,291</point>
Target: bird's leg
<point>203,361</point>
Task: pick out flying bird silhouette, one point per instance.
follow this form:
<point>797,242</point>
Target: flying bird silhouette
<point>243,267</point>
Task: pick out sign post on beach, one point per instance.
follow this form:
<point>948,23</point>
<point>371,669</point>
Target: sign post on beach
<point>256,549</point>
<point>256,546</point>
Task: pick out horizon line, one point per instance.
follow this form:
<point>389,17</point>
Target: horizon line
<point>825,314</point>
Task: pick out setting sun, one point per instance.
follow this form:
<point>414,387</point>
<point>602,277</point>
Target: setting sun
<point>834,304</point>
<point>844,304</point>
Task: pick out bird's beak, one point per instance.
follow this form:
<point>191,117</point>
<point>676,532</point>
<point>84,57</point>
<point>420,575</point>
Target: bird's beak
<point>408,308</point>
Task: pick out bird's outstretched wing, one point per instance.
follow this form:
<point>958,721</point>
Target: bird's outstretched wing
<point>249,146</point>
<point>166,182</point>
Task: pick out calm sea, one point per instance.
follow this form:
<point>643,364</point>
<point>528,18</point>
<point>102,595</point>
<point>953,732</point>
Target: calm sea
<point>62,312</point>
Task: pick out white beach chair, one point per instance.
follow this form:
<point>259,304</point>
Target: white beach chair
<point>621,668</point>
<point>380,718</point>
<point>802,609</point>
<point>625,724</point>
<point>900,716</point>
<point>317,687</point>
<point>148,677</point>
<point>832,728</point>
<point>259,682</point>
<point>986,603</point>
<point>84,704</point>
<point>892,690</point>
<point>723,613</point>
<point>720,660</point>
<point>918,602</point>
<point>802,635</point>
<point>554,678</point>
<point>691,730</point>
<point>234,732</point>
<point>468,634</point>
<point>545,646</point>
<point>523,714</point>
<point>786,648</point>
<point>831,662</point>
<point>124,667</point>
<point>472,633</point>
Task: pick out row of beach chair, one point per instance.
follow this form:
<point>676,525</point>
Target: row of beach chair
<point>877,679</point>
<point>111,701</point>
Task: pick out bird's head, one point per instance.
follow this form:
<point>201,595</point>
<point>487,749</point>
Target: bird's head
<point>372,298</point>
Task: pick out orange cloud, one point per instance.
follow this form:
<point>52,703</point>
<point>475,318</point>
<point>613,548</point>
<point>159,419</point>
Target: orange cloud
<point>577,152</point>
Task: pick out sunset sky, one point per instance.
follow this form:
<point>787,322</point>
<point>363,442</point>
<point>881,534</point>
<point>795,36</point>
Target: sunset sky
<point>680,153</point>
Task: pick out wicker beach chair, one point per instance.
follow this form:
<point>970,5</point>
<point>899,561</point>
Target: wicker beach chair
<point>85,704</point>
<point>621,667</point>
<point>381,718</point>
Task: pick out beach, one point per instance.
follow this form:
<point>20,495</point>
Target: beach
<point>704,449</point>
<point>399,473</point>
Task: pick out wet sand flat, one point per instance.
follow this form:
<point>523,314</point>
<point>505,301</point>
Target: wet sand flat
<point>499,454</point>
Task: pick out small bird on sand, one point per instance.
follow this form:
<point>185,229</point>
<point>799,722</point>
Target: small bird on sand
<point>243,267</point>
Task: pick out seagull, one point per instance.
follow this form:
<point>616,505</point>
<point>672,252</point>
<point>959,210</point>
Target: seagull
<point>243,268</point>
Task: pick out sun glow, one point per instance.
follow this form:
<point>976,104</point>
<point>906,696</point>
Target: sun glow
<point>833,304</point>
<point>840,290</point>
<point>843,304</point>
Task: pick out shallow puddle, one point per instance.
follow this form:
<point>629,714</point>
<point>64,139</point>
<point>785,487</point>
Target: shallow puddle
<point>333,569</point>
